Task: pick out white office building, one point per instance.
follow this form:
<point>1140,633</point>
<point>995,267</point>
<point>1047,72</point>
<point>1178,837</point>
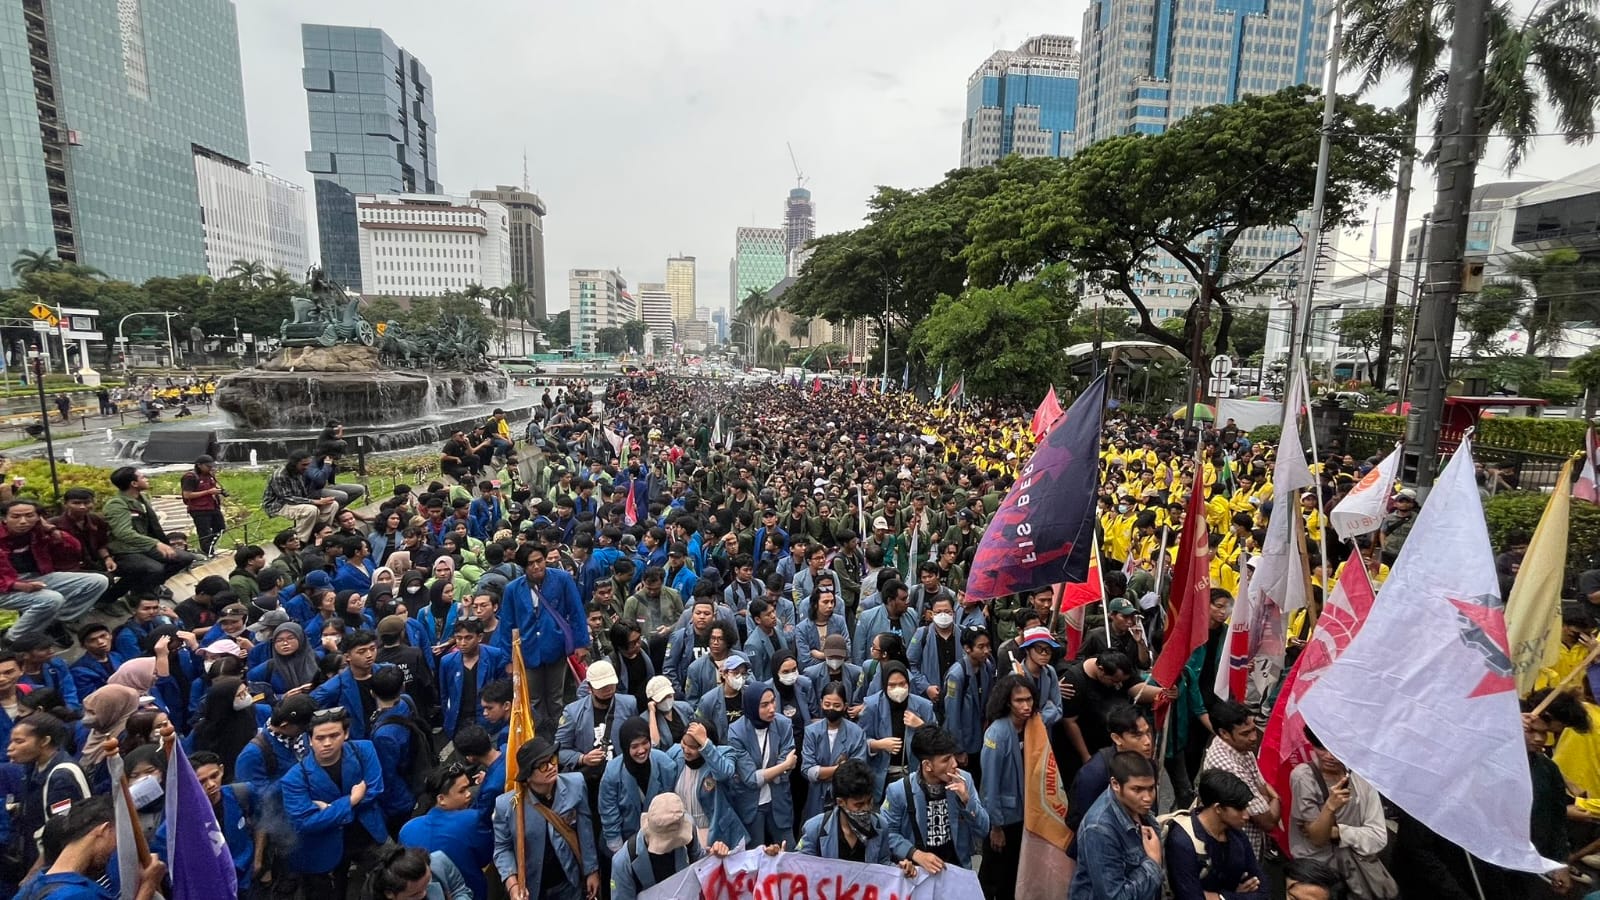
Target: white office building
<point>250,215</point>
<point>598,299</point>
<point>656,308</point>
<point>427,245</point>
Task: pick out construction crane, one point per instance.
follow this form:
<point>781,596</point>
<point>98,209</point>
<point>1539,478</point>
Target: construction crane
<point>799,176</point>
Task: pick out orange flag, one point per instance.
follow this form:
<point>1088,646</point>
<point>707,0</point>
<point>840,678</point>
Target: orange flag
<point>1046,416</point>
<point>521,728</point>
<point>1042,866</point>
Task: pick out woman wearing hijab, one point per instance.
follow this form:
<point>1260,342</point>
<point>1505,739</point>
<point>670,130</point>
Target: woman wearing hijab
<point>400,563</point>
<point>227,722</point>
<point>351,606</point>
<point>797,702</point>
<point>444,569</point>
<point>293,662</point>
<point>437,614</point>
<point>890,717</point>
<point>763,796</point>
<point>632,779</point>
<point>150,676</point>
<point>106,713</point>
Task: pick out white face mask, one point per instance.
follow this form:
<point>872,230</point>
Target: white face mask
<point>736,682</point>
<point>835,665</point>
<point>788,678</point>
<point>898,694</point>
<point>944,620</point>
<point>144,790</point>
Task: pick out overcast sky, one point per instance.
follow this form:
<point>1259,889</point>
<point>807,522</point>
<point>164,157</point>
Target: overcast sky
<point>654,129</point>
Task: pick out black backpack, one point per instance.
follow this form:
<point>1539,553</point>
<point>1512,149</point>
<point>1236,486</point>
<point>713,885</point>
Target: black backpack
<point>420,764</point>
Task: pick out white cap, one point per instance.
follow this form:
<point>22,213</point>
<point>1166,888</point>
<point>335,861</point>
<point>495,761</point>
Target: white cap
<point>602,675</point>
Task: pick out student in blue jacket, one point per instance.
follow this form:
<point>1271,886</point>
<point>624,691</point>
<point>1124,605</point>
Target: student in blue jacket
<point>41,668</point>
<point>544,608</point>
<point>852,828</point>
<point>87,836</point>
<point>632,779</point>
<point>322,808</point>
<point>90,671</point>
<point>548,797</point>
<point>1014,701</point>
<point>828,744</point>
<point>464,673</point>
<point>277,747</point>
<point>936,779</point>
<point>344,690</point>
<point>967,686</point>
<point>453,827</point>
<point>766,759</point>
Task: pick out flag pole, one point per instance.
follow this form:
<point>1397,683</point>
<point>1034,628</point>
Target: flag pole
<point>141,846</point>
<point>1594,654</point>
<point>517,798</point>
<point>1311,432</point>
<point>1105,608</point>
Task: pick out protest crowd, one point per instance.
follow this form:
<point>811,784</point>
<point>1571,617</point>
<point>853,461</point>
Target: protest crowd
<point>690,619</point>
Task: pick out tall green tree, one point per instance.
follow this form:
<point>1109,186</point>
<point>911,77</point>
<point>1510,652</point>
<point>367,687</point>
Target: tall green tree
<point>1007,340</point>
<point>32,262</point>
<point>611,340</point>
<point>634,330</point>
<point>1564,289</point>
<point>1192,193</point>
<point>1585,370</point>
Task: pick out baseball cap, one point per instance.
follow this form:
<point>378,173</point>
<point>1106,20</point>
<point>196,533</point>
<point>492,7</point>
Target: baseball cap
<point>1121,607</point>
<point>233,611</point>
<point>602,674</point>
<point>1036,634</point>
<point>836,646</point>
<point>1406,494</point>
<point>880,524</point>
<point>392,626</point>
<point>734,662</point>
<point>658,688</point>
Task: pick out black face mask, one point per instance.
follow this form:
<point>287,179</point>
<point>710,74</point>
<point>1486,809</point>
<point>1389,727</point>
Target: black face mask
<point>833,715</point>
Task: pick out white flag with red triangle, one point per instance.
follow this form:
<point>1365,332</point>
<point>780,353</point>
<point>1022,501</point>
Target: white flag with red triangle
<point>1362,510</point>
<point>1423,703</point>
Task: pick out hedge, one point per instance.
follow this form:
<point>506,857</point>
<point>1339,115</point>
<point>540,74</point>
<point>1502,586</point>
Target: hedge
<point>1560,436</point>
<point>1266,434</point>
<point>1520,511</point>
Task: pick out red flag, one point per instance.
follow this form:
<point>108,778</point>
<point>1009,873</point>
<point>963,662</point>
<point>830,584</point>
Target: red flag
<point>1090,590</point>
<point>816,385</point>
<point>1191,595</point>
<point>1046,416</point>
<point>1284,744</point>
<point>630,512</point>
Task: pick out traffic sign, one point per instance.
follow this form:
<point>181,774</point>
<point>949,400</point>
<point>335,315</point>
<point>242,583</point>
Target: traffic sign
<point>40,311</point>
<point>1221,366</point>
<point>52,321</point>
<point>1219,387</point>
<point>41,325</point>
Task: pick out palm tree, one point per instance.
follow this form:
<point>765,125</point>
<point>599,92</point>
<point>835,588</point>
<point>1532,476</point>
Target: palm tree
<point>1585,370</point>
<point>1551,55</point>
<point>32,262</point>
<point>1558,297</point>
<point>249,272</point>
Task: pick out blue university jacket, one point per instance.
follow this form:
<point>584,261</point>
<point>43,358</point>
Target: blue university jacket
<point>621,801</point>
<point>461,834</point>
<point>875,620</point>
<point>819,749</point>
<point>551,620</point>
<point>969,821</point>
<point>1002,773</point>
<point>808,638</point>
<point>342,690</point>
<point>780,741</point>
<point>759,648</point>
<point>491,665</point>
<point>966,690</point>
<point>321,829</point>
<point>575,733</point>
<point>571,803</point>
<point>820,837</point>
<point>923,653</point>
<point>632,872</point>
<point>716,780</point>
<point>875,721</point>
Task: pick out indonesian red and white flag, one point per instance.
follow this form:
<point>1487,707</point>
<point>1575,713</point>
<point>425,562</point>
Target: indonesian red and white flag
<point>1587,487</point>
<point>1046,416</point>
<point>1362,510</point>
<point>1091,590</point>
<point>1423,702</point>
<point>630,509</point>
<point>1284,744</point>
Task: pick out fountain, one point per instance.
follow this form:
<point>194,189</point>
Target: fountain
<point>392,389</point>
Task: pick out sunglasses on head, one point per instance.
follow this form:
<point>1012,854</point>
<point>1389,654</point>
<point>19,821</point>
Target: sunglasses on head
<point>331,714</point>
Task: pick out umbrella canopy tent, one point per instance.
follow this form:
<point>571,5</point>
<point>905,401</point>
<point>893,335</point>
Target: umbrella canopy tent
<point>1127,351</point>
<point>1203,412</point>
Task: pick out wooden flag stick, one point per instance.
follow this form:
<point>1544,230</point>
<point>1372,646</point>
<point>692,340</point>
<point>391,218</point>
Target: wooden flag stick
<point>1594,654</point>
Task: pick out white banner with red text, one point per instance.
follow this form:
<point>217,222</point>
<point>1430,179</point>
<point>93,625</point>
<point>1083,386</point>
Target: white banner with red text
<point>753,875</point>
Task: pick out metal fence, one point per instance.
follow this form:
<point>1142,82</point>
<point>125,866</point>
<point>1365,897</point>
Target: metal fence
<point>1526,470</point>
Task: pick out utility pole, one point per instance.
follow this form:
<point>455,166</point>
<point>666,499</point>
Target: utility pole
<point>1330,101</point>
<point>1458,144</point>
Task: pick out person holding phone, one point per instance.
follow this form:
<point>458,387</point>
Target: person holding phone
<point>1335,813</point>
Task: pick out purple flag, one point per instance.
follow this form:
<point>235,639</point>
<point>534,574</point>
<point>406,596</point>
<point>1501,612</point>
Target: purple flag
<point>198,860</point>
<point>1041,533</point>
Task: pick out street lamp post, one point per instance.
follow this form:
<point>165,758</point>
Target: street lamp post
<point>36,360</point>
<point>171,356</point>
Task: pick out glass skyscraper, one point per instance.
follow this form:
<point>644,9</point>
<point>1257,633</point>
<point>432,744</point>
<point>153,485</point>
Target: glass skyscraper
<point>1149,63</point>
<point>101,108</point>
<point>372,132</point>
<point>760,261</point>
<point>1022,101</point>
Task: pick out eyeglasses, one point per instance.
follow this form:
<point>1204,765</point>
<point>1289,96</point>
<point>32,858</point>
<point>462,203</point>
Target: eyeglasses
<point>550,764</point>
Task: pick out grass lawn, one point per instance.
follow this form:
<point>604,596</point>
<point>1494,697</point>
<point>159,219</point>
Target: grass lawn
<point>248,523</point>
